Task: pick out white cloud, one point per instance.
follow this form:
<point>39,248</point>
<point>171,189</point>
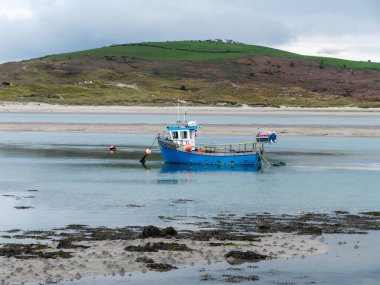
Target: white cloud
<point>13,10</point>
<point>16,14</point>
<point>364,47</point>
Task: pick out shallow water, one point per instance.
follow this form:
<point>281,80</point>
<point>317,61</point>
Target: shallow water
<point>78,181</point>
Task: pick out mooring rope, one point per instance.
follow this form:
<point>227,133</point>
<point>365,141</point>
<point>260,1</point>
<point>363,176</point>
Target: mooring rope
<point>143,159</point>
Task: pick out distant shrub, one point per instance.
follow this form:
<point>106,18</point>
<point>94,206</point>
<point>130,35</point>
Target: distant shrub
<point>156,71</point>
<point>347,92</point>
<point>268,71</point>
<point>321,64</point>
<point>291,64</point>
<point>251,74</point>
<point>110,57</point>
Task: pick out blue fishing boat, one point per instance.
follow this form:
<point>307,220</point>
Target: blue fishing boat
<point>179,146</point>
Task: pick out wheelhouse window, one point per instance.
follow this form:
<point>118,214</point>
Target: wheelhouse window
<point>175,135</point>
<point>184,135</point>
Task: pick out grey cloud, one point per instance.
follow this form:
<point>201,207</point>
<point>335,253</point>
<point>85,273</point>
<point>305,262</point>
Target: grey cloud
<point>69,25</point>
<point>330,51</point>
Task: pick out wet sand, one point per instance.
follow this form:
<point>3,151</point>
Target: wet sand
<point>109,257</point>
<point>83,251</point>
<point>235,129</point>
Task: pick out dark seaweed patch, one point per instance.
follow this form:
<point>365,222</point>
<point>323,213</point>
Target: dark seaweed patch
<point>154,247</point>
<point>162,267</point>
<point>22,251</point>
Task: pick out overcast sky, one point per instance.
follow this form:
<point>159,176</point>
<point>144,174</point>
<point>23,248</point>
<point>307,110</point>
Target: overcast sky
<point>337,28</point>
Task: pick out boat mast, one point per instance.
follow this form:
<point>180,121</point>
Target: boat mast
<point>178,112</point>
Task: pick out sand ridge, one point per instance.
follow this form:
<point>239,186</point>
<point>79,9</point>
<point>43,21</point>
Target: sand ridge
<point>298,129</point>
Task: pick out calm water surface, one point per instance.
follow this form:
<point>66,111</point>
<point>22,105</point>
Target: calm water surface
<point>78,181</point>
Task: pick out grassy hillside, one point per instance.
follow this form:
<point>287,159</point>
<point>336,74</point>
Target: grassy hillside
<point>198,72</point>
<point>206,50</point>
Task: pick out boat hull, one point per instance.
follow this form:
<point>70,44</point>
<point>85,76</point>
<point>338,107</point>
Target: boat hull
<point>179,156</point>
<point>172,168</point>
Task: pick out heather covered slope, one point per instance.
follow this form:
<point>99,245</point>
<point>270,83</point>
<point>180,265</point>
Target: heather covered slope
<point>200,73</point>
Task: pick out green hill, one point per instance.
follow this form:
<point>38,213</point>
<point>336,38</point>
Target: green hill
<point>206,50</point>
<point>198,72</point>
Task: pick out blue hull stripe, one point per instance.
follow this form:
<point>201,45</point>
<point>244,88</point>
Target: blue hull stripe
<point>171,168</point>
<point>182,157</point>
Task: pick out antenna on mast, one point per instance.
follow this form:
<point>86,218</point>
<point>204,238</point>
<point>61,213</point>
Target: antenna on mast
<point>178,112</point>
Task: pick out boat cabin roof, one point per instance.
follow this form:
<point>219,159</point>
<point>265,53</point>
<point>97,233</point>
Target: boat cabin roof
<point>182,128</point>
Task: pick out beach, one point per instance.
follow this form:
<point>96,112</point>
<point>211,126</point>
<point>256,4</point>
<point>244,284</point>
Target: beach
<point>78,251</point>
<point>294,129</point>
<point>116,257</point>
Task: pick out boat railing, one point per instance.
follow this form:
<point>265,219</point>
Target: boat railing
<point>252,146</point>
<point>230,147</point>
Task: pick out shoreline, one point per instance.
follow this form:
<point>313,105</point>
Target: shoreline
<point>78,251</point>
<point>211,129</point>
<point>40,108</point>
<point>124,257</point>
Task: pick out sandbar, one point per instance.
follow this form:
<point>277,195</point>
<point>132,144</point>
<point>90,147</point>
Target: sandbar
<point>298,129</point>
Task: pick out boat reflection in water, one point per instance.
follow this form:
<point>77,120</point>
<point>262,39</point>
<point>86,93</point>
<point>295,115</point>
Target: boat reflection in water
<point>171,168</point>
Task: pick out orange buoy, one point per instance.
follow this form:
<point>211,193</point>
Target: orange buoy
<point>148,151</point>
<point>188,148</point>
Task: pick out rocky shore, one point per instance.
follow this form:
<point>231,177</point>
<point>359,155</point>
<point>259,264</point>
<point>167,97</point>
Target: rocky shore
<point>78,251</point>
